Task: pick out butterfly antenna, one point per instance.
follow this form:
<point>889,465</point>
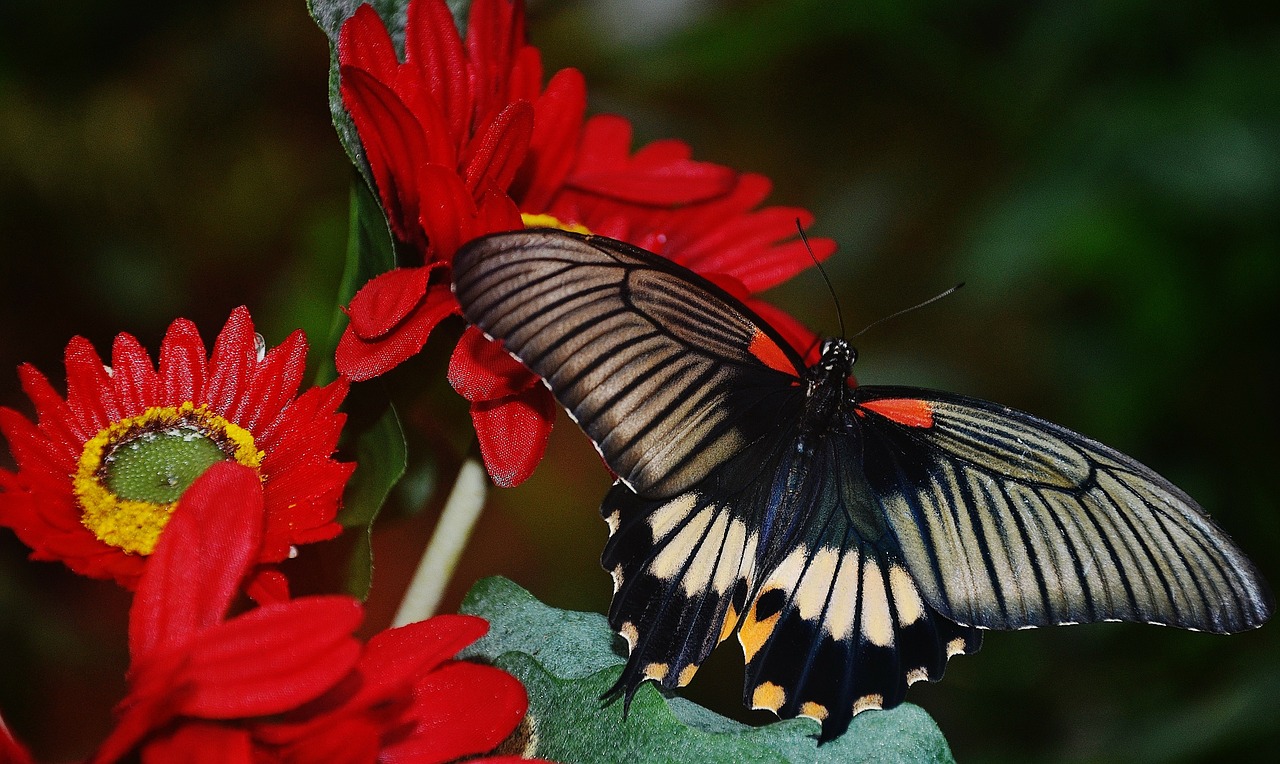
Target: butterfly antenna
<point>929,301</point>
<point>804,238</point>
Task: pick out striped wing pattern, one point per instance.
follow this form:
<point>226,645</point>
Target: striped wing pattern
<point>653,365</point>
<point>1007,521</point>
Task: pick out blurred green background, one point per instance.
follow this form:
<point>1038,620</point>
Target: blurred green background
<point>1105,176</point>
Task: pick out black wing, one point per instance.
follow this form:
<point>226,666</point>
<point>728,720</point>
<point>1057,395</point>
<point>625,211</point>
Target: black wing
<point>786,549</point>
<point>666,373</point>
<point>1008,521</point>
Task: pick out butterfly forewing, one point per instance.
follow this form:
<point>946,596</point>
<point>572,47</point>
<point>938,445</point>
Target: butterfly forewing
<point>667,375</point>
<point>1009,521</point>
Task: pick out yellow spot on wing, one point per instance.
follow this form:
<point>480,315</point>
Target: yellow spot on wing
<point>815,711</point>
<point>730,621</point>
<point>768,695</point>
<point>656,671</point>
<point>754,633</point>
<point>686,675</point>
<point>955,646</point>
<point>629,633</point>
<point>867,703</point>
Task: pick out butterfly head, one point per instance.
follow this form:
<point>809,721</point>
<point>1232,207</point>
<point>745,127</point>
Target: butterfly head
<point>838,358</point>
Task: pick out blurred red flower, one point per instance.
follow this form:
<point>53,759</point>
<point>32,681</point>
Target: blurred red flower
<point>462,140</point>
<point>99,472</point>
<point>287,682</point>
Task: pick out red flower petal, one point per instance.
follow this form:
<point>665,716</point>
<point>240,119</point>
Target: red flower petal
<point>495,37</point>
<point>448,212</point>
<point>89,389</point>
<point>557,123</point>
<point>56,420</point>
<point>398,655</point>
<point>384,302</point>
<point>195,742</point>
<point>11,751</point>
<point>393,139</point>
<point>231,366</point>
<point>183,592</point>
<point>433,47</point>
<point>275,381</point>
<point>462,709</point>
<point>494,156</point>
<point>137,385</point>
<point>360,359</point>
<point>513,433</point>
<point>657,179</point>
<point>269,660</point>
<point>802,338</point>
<point>482,370</point>
<point>183,364</point>
<point>363,41</point>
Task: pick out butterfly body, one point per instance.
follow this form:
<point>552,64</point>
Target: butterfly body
<point>852,538</point>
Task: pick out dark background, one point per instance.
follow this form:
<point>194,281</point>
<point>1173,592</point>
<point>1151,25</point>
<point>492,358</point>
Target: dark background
<point>1104,176</point>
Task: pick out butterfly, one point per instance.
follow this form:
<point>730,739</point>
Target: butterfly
<point>853,538</point>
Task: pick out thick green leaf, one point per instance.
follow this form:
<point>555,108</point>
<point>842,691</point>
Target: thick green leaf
<point>566,661</point>
<point>381,455</point>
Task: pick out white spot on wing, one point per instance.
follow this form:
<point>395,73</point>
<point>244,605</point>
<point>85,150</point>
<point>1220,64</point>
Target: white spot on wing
<point>811,595</point>
<point>844,599</point>
<point>877,628</point>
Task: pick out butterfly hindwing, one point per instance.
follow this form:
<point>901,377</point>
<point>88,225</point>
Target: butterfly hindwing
<point>836,623</point>
<point>667,374</point>
<point>1009,521</point>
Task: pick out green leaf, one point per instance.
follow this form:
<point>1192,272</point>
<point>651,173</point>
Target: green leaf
<point>370,251</point>
<point>381,455</point>
<point>566,661</point>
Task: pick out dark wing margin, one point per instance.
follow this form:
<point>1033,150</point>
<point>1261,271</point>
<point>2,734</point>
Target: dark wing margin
<point>1008,521</point>
<point>662,369</point>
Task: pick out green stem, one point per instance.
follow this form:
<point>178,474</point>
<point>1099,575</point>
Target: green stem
<point>461,510</point>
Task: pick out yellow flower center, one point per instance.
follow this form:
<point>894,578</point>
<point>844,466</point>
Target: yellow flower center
<point>132,473</point>
<point>531,220</point>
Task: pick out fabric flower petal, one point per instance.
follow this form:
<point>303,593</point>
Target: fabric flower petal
<point>513,433</point>
<point>481,370</point>
<point>461,710</point>
<point>361,359</point>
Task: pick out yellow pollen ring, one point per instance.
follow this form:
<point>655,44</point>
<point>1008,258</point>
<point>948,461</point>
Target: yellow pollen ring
<point>531,220</point>
<point>131,525</point>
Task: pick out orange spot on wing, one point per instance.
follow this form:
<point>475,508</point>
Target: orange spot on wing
<point>909,411</point>
<point>767,352</point>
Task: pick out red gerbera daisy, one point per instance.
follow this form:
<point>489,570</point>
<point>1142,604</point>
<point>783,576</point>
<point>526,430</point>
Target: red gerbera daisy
<point>286,682</point>
<point>462,141</point>
<point>99,472</point>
